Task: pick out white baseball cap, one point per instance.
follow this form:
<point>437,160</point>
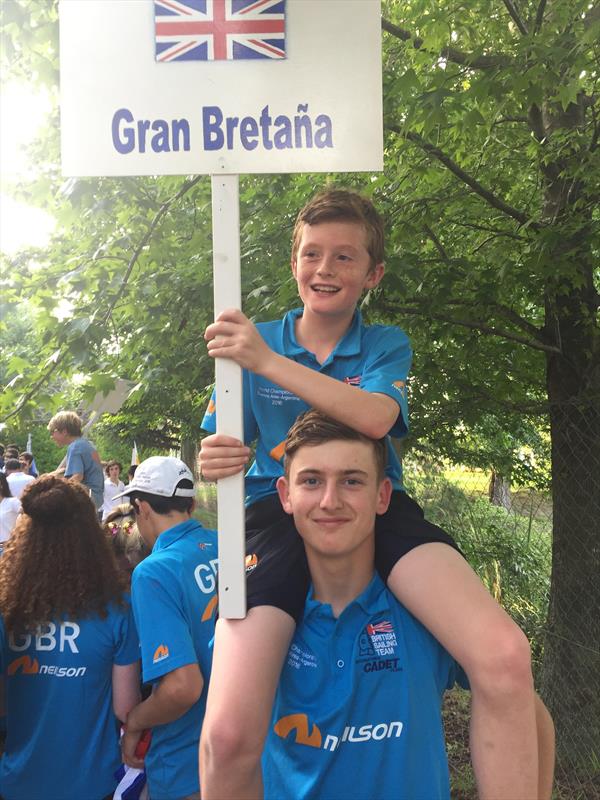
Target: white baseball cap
<point>160,475</point>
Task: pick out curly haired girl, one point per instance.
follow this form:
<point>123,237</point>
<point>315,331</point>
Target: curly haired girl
<point>68,648</point>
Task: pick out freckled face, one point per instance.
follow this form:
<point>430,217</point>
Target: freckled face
<point>332,267</point>
<point>334,494</point>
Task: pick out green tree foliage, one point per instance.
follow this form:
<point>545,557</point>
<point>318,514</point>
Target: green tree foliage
<point>492,182</point>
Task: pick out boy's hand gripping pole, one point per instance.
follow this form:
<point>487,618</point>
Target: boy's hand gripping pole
<point>228,376</point>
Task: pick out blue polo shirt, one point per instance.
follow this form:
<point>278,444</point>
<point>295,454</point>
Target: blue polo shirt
<point>376,358</point>
<point>358,708</point>
<point>62,741</point>
<point>83,458</point>
<point>174,603</point>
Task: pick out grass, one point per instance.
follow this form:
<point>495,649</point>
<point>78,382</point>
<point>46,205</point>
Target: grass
<point>206,508</point>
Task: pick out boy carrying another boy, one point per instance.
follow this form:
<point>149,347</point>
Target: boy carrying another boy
<point>358,709</point>
<point>323,356</point>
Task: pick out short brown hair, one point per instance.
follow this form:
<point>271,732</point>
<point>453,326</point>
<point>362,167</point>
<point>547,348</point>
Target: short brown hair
<point>112,463</point>
<point>342,205</point>
<point>313,428</point>
<point>67,421</point>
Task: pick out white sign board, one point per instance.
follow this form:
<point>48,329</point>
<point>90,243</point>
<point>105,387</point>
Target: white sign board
<point>127,109</point>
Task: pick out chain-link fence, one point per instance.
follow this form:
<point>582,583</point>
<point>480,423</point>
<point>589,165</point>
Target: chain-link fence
<point>509,535</point>
<point>552,589</point>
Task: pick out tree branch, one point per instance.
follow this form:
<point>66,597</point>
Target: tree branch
<point>489,229</point>
<point>510,119</point>
<point>536,122</point>
<point>437,244</point>
<point>449,53</point>
<point>508,313</point>
<point>516,17</point>
<point>464,176</point>
<point>37,385</point>
<point>478,326</point>
<point>187,185</point>
<point>539,16</point>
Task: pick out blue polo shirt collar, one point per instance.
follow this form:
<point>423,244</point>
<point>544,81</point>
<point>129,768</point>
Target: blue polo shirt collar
<point>349,344</point>
<point>175,533</point>
<point>371,601</point>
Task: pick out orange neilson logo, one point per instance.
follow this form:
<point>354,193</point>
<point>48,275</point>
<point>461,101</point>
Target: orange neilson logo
<point>277,452</point>
<point>161,652</point>
<point>27,665</point>
<point>211,407</point>
<point>298,723</point>
<point>210,608</point>
<point>251,562</point>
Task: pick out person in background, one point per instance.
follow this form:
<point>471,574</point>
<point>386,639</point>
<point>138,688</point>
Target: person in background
<point>126,541</point>
<point>68,649</point>
<point>113,485</point>
<point>10,508</point>
<point>26,460</point>
<point>82,461</point>
<point>17,478</point>
<point>174,602</point>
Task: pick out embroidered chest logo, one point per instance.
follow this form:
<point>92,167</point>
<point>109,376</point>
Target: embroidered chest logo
<point>382,637</point>
<point>353,380</point>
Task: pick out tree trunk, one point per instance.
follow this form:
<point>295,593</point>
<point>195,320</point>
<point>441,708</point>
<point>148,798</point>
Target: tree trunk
<point>189,454</point>
<point>571,666</point>
<point>499,491</point>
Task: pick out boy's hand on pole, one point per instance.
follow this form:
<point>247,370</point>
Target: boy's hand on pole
<point>221,456</point>
<point>232,335</point>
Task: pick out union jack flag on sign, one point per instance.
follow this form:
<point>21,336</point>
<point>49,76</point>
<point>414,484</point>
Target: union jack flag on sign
<point>215,30</point>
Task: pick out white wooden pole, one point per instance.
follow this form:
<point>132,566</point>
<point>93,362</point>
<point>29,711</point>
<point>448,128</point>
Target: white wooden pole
<point>228,376</point>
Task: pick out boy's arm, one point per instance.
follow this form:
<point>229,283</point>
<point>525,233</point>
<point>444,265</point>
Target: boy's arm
<point>176,693</point>
<point>234,336</point>
<point>60,470</point>
<point>125,688</point>
<point>546,747</point>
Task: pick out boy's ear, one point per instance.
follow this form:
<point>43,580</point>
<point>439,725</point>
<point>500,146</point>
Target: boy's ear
<point>384,495</point>
<point>284,495</point>
<point>375,275</point>
<point>294,265</point>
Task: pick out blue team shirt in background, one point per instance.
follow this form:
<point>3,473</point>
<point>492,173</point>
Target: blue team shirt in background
<point>62,741</point>
<point>174,603</point>
<point>83,458</point>
<point>358,709</point>
<point>375,358</point>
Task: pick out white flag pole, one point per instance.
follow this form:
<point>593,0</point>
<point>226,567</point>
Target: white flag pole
<point>228,375</point>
